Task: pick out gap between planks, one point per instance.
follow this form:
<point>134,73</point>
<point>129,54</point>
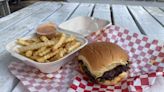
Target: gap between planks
<point>147,24</point>
<point>156,13</point>
<point>102,11</point>
<point>123,18</point>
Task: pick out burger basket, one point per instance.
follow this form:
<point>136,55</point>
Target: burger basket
<point>146,64</point>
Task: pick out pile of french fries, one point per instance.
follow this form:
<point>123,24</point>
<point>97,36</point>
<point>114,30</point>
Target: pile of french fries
<point>45,49</point>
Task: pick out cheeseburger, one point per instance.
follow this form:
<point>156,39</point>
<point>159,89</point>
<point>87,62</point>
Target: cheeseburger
<point>104,62</point>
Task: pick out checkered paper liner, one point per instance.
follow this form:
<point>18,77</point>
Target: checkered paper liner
<point>146,61</point>
<point>36,81</point>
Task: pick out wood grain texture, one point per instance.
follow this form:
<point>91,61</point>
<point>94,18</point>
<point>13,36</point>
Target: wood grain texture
<point>60,15</point>
<point>122,17</point>
<point>147,23</point>
<point>63,13</point>
<point>20,15</point>
<point>13,32</point>
<point>102,11</point>
<point>84,9</point>
<point>156,13</point>
<point>27,24</point>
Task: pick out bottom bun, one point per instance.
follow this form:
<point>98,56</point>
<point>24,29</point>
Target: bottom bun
<point>116,80</point>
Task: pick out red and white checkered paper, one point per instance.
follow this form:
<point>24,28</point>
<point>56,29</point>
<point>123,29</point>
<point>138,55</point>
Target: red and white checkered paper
<point>141,50</point>
<point>36,81</point>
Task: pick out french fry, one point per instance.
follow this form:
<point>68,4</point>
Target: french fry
<point>35,39</point>
<point>70,47</point>
<point>28,53</point>
<point>56,57</point>
<point>53,58</point>
<point>22,42</point>
<point>44,52</point>
<point>62,52</point>
<point>55,39</point>
<point>34,57</point>
<point>44,38</point>
<point>39,50</point>
<point>47,61</point>
<point>69,39</point>
<point>23,53</point>
<point>60,42</point>
<point>43,58</point>
<point>36,46</point>
<point>29,41</point>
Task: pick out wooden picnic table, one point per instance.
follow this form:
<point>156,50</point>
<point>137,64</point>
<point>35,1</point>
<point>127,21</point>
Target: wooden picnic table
<point>145,20</point>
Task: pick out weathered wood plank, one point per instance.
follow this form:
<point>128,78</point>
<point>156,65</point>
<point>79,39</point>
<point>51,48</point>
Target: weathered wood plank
<point>122,17</point>
<point>83,10</point>
<point>20,15</point>
<point>102,11</point>
<point>156,13</point>
<point>69,10</point>
<point>147,23</point>
<point>27,24</point>
<point>63,13</point>
<point>15,31</point>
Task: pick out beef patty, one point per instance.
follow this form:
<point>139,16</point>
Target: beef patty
<point>108,75</point>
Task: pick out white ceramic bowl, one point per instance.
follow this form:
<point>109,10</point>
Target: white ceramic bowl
<point>50,66</point>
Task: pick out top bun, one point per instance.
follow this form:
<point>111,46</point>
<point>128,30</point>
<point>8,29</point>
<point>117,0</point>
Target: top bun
<point>46,29</point>
<point>100,57</point>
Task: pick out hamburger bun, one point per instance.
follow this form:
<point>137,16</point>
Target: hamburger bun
<point>116,80</point>
<point>100,57</point>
